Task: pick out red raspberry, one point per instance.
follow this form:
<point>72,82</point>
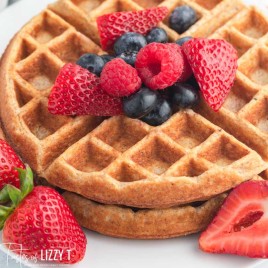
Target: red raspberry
<point>119,79</point>
<point>112,26</point>
<point>159,65</point>
<point>78,92</point>
<point>187,70</point>
<point>214,64</point>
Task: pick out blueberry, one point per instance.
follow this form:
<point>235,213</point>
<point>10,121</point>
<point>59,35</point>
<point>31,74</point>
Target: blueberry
<point>183,40</point>
<point>160,114</point>
<point>183,96</point>
<point>157,35</point>
<point>92,62</point>
<point>140,103</point>
<point>129,42</point>
<point>129,57</point>
<point>107,58</point>
<point>182,18</point>
<point>192,81</point>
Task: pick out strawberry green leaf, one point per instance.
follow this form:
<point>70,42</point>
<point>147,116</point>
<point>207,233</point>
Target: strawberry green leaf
<point>14,194</point>
<point>4,213</point>
<point>26,181</point>
<point>4,196</point>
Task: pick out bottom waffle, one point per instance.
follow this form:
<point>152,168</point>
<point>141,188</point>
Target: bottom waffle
<point>135,223</point>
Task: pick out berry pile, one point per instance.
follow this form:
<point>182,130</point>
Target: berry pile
<point>145,77</point>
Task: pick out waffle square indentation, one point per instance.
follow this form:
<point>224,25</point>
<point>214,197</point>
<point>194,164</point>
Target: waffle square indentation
<point>157,155</point>
<point>148,3</point>
<point>41,72</point>
<point>121,133</point>
<point>78,45</point>
<point>255,66</point>
<point>90,156</point>
<point>26,49</point>
<point>48,28</point>
<point>208,4</point>
<point>41,123</point>
<point>223,151</point>
<point>187,130</point>
<point>87,5</point>
<point>240,95</point>
<point>253,24</point>
<point>257,114</point>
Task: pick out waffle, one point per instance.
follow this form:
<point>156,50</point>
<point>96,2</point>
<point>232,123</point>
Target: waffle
<point>186,159</point>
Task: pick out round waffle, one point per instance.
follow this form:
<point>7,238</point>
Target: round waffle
<point>117,160</point>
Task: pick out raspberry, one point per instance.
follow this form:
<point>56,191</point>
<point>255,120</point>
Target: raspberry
<point>78,92</point>
<point>112,26</point>
<point>119,79</point>
<point>187,70</point>
<point>159,65</point>
<point>214,64</point>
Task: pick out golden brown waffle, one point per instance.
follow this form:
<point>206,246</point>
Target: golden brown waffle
<point>187,159</point>
<point>136,223</point>
<point>143,223</point>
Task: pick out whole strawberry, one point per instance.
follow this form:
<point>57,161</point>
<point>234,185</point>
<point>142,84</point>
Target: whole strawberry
<point>41,223</point>
<point>77,92</point>
<point>112,26</point>
<point>9,161</point>
<point>214,64</point>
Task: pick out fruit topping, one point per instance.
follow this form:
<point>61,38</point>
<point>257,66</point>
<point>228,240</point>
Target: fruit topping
<point>107,58</point>
<point>92,63</point>
<point>39,219</point>
<point>214,64</point>
<point>182,18</point>
<point>157,35</point>
<point>129,42</point>
<point>112,26</point>
<point>183,96</point>
<point>183,40</point>
<point>160,114</point>
<point>129,57</point>
<point>240,227</point>
<point>77,92</point>
<point>119,79</point>
<point>159,65</point>
<point>9,162</point>
<point>140,103</point>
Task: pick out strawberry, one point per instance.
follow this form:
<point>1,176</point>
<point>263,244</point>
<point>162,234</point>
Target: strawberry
<point>214,64</point>
<point>40,222</point>
<point>77,92</point>
<point>9,161</point>
<point>112,26</point>
<point>240,226</point>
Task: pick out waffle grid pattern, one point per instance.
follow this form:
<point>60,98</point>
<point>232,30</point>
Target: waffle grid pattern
<point>166,156</point>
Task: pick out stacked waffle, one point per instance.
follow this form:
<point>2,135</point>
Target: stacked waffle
<point>125,178</point>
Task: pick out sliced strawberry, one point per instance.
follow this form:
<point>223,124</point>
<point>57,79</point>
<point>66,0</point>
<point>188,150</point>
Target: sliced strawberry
<point>240,226</point>
<point>112,26</point>
<point>78,92</point>
<point>214,64</point>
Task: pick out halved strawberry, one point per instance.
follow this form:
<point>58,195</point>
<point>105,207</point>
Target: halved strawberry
<point>111,26</point>
<point>241,225</point>
<point>77,92</point>
<point>214,64</point>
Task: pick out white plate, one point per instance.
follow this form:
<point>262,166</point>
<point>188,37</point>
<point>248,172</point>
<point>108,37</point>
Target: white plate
<point>119,253</point>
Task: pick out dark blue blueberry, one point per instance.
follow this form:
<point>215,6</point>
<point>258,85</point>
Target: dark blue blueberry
<point>183,96</point>
<point>140,103</point>
<point>91,62</point>
<point>157,35</point>
<point>107,58</point>
<point>160,114</point>
<point>129,42</point>
<point>129,57</point>
<point>182,18</point>
<point>183,40</point>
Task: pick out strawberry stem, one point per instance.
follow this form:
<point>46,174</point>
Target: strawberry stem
<point>12,196</point>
